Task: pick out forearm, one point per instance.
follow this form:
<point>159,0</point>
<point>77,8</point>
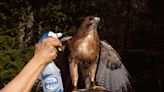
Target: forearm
<point>26,78</point>
<point>45,52</point>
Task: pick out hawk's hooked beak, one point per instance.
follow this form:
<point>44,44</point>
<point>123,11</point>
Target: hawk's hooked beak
<point>95,23</point>
<point>97,19</point>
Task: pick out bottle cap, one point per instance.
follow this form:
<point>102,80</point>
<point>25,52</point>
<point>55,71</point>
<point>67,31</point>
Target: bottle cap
<point>56,35</point>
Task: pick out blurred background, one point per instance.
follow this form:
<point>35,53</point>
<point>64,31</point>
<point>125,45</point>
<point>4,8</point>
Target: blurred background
<point>135,28</point>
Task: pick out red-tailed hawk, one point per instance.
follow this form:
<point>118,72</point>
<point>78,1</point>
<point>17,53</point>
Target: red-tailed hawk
<point>84,50</point>
<point>97,61</point>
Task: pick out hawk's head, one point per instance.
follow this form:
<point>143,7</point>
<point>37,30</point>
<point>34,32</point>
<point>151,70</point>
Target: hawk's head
<point>90,23</point>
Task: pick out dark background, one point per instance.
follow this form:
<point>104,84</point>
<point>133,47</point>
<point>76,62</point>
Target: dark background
<point>135,28</point>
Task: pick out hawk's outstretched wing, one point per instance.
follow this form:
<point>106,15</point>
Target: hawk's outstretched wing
<point>111,73</point>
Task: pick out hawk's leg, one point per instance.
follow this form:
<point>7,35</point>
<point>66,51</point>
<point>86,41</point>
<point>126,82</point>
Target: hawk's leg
<point>74,74</point>
<point>92,73</point>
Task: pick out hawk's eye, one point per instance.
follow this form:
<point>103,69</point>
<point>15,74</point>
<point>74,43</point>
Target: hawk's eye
<point>90,18</point>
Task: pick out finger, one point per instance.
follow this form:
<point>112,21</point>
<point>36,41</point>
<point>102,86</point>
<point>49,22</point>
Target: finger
<point>37,47</point>
<point>53,41</point>
<point>54,53</point>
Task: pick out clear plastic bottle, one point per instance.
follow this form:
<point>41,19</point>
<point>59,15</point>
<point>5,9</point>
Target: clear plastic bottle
<point>51,76</point>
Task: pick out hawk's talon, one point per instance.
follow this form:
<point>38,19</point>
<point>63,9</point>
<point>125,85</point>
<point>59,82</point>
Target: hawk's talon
<point>100,88</point>
<point>75,89</point>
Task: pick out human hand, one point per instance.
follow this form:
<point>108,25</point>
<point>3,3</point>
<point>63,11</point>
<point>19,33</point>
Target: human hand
<point>46,50</point>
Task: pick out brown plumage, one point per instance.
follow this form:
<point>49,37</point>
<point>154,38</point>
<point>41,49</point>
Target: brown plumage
<point>84,50</point>
<point>86,57</point>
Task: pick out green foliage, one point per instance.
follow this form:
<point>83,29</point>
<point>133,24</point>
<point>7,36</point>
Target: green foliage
<point>47,15</point>
<point>12,58</point>
<point>52,16</point>
<point>12,61</point>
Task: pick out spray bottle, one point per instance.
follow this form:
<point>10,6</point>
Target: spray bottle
<point>51,76</point>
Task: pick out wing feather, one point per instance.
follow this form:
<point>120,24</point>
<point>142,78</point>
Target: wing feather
<point>111,73</point>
